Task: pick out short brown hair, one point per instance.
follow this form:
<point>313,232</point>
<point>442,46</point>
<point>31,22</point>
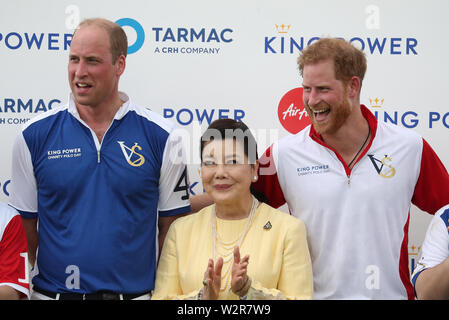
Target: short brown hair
<point>117,36</point>
<point>348,60</point>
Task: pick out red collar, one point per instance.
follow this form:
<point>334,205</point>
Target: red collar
<point>372,122</point>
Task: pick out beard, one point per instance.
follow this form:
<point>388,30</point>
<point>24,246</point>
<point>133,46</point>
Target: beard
<point>336,116</point>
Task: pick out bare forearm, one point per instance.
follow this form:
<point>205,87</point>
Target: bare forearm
<point>8,293</point>
<point>433,283</point>
<point>200,201</point>
<point>30,226</point>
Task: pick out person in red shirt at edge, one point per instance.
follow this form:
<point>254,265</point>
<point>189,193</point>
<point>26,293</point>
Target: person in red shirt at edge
<point>14,279</point>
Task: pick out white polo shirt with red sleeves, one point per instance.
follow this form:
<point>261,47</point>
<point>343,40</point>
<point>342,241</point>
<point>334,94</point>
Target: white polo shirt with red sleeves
<point>13,251</point>
<point>357,219</point>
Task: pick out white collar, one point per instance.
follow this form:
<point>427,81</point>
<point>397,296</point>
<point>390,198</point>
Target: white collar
<point>121,112</point>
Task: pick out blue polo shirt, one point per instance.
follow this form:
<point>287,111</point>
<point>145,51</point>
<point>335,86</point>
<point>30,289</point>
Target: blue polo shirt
<point>98,204</point>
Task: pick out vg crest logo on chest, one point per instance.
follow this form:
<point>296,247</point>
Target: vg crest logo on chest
<point>131,154</point>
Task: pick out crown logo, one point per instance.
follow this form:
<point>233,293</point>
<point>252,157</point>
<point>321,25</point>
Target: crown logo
<point>413,250</point>
<point>376,103</point>
<point>282,28</point>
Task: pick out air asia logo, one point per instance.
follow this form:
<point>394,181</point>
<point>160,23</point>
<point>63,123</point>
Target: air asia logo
<point>291,112</point>
<point>382,166</point>
<point>134,158</point>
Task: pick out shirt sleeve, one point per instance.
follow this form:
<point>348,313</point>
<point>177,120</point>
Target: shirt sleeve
<point>23,188</point>
<point>435,247</point>
<point>174,180</point>
<point>431,189</point>
<point>13,257</point>
<point>267,182</point>
<point>168,285</point>
<point>296,278</point>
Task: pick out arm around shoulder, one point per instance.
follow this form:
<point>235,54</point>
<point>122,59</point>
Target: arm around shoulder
<point>200,201</point>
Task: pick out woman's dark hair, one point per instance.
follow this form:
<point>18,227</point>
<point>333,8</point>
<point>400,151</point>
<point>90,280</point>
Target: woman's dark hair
<point>222,129</point>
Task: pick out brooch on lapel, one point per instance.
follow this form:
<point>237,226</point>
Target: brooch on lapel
<point>267,226</point>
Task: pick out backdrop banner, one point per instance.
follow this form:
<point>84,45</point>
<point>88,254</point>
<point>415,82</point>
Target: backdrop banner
<point>200,60</point>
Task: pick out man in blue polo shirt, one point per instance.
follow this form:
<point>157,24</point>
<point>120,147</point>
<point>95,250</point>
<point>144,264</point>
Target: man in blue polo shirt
<point>101,176</point>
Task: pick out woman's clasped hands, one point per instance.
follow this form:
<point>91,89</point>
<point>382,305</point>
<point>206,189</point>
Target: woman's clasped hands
<point>240,281</point>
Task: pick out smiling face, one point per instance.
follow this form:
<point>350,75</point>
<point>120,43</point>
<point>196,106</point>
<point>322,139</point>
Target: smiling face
<point>325,97</point>
<point>226,173</point>
<point>93,76</point>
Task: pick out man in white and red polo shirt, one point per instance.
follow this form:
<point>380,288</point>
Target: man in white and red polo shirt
<point>14,283</point>
<point>352,180</point>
